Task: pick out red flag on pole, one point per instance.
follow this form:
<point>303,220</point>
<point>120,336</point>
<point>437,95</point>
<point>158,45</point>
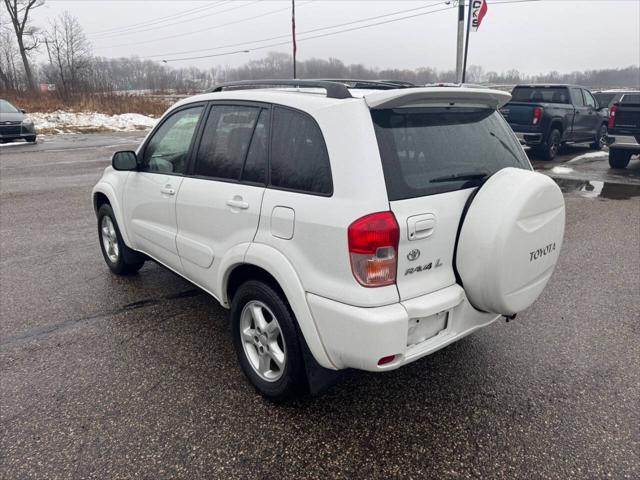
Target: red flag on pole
<point>478,10</point>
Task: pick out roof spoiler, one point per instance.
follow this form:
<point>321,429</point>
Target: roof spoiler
<point>420,96</point>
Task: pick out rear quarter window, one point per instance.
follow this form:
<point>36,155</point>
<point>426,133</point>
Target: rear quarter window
<point>540,95</point>
<point>299,158</point>
<point>426,151</point>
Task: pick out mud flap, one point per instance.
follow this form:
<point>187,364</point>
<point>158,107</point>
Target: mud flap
<point>319,379</point>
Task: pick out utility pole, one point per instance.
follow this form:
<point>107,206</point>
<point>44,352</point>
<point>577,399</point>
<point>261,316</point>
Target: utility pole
<point>293,35</point>
<point>459,57</point>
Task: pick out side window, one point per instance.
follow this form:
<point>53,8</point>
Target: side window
<point>225,141</point>
<point>167,150</point>
<point>590,101</point>
<point>255,165</point>
<point>299,159</point>
<point>576,93</point>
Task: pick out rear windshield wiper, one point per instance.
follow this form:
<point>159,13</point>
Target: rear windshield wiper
<point>461,176</point>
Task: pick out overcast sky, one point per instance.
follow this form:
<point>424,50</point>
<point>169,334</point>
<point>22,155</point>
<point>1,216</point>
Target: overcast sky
<point>532,36</point>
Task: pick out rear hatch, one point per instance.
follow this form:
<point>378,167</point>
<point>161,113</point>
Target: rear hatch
<point>627,115</point>
<point>434,155</point>
<point>519,113</point>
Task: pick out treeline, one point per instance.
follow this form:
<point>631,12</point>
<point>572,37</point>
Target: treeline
<point>279,65</point>
<point>72,67</point>
<point>98,74</point>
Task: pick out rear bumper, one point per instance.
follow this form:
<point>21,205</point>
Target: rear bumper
<point>356,337</point>
<point>529,138</point>
<point>623,142</point>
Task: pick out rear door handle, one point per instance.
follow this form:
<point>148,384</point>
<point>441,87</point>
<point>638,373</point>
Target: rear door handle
<point>168,190</point>
<point>237,202</point>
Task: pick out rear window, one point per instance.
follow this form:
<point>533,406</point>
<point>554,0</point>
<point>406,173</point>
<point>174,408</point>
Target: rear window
<point>604,99</point>
<point>630,98</point>
<point>540,94</point>
<point>426,151</point>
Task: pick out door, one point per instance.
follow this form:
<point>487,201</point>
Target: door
<point>218,206</point>
<point>594,120</point>
<point>582,119</point>
<point>150,193</point>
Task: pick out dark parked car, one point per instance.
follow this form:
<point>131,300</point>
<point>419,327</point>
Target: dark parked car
<point>609,97</point>
<point>624,130</point>
<point>14,124</point>
<point>545,117</point>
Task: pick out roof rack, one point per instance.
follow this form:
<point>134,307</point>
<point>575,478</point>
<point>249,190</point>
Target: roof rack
<point>371,84</point>
<point>334,89</point>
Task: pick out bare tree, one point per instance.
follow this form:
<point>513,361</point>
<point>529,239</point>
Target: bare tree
<point>69,53</point>
<point>25,33</point>
<point>10,74</point>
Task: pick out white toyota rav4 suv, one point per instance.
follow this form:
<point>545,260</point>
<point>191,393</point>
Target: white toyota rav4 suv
<point>343,227</point>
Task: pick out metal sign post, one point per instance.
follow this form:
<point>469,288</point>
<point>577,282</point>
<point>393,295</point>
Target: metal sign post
<point>293,35</point>
<point>460,41</point>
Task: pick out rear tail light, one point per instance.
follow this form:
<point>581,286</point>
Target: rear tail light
<point>612,116</point>
<point>537,115</point>
<point>373,249</point>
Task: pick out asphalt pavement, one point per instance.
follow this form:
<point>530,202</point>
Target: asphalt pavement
<point>107,377</point>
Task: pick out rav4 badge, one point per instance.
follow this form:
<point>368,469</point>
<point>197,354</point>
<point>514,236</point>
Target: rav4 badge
<point>423,268</point>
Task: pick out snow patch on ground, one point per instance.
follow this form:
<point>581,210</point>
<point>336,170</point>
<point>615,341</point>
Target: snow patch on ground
<point>588,155</point>
<point>14,144</point>
<point>78,122</point>
<point>561,170</point>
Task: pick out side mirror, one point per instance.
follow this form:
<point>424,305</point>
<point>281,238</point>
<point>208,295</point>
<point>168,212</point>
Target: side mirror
<point>23,111</point>
<point>125,160</point>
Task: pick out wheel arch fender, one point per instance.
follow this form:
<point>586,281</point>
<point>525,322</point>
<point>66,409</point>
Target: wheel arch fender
<point>552,123</point>
<point>232,259</point>
<point>106,189</point>
<point>559,123</point>
<point>277,266</point>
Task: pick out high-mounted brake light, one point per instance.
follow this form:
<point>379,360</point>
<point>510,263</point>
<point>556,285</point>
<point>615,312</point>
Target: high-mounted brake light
<point>537,115</point>
<point>612,116</point>
<point>373,249</point>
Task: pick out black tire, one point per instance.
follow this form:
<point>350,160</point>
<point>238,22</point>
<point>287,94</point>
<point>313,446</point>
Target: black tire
<point>619,158</point>
<point>550,148</point>
<point>290,380</point>
<point>32,139</point>
<point>123,261</point>
<point>600,140</point>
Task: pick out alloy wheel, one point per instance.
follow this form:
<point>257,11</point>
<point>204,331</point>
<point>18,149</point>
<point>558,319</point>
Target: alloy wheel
<point>602,138</point>
<point>262,341</point>
<point>109,239</point>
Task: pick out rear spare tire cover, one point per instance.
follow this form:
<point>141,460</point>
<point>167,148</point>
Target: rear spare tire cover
<point>510,240</point>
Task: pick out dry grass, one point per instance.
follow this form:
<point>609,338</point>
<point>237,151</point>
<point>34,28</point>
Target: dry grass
<point>110,103</point>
